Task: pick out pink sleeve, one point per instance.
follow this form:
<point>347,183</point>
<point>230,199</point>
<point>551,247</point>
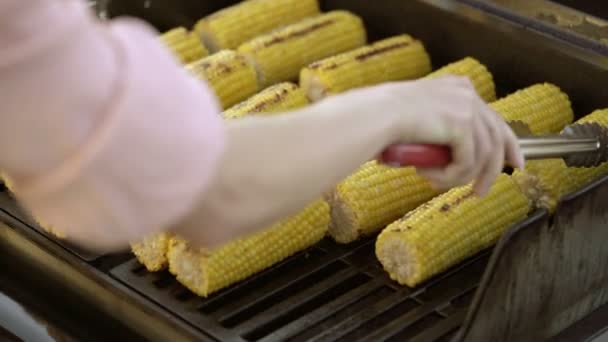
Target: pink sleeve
<point>103,133</point>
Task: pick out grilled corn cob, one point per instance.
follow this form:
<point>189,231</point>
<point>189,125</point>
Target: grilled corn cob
<point>544,108</point>
<point>396,58</point>
<point>448,229</point>
<point>376,195</point>
<point>552,178</point>
<point>205,272</point>
<point>280,55</point>
<point>152,251</point>
<point>186,46</point>
<point>231,26</point>
<point>231,76</point>
<point>280,97</point>
<point>478,74</point>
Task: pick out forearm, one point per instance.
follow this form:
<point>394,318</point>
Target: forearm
<point>274,166</point>
<point>104,135</point>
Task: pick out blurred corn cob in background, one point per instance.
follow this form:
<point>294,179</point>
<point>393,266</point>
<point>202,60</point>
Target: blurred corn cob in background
<point>450,228</point>
<point>532,106</point>
<point>280,97</point>
<point>230,75</point>
<point>578,177</point>
<point>396,58</point>
<point>280,55</point>
<point>186,46</point>
<point>479,75</point>
<point>376,195</point>
<point>205,272</point>
<point>230,27</point>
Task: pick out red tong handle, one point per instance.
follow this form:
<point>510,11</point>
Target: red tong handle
<point>417,155</point>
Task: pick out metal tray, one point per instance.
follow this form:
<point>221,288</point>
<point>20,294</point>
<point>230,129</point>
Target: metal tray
<point>550,265</point>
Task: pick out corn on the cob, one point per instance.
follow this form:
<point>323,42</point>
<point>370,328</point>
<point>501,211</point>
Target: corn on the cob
<point>234,25</point>
<point>396,58</point>
<point>231,76</point>
<point>478,74</point>
<point>152,251</point>
<point>186,46</point>
<point>205,272</point>
<point>376,195</point>
<point>280,55</point>
<point>552,178</point>
<point>277,98</point>
<point>544,108</point>
<point>448,229</point>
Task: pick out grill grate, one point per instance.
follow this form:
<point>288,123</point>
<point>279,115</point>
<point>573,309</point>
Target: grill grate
<point>327,293</point>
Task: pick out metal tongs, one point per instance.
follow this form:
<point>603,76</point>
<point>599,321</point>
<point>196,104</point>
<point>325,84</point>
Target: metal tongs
<point>579,145</point>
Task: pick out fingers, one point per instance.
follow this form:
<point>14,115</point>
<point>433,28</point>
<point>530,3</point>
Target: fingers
<point>494,160</point>
<point>487,159</point>
<point>449,111</point>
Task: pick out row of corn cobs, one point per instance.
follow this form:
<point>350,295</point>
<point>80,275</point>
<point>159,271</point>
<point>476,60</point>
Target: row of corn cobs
<point>254,53</point>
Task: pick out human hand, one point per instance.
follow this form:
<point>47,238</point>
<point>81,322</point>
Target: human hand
<point>447,111</point>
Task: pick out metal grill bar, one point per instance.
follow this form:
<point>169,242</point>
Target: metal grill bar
<point>325,310</point>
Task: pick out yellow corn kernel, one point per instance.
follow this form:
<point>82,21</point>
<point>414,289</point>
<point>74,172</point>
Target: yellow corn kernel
<point>544,108</point>
<point>482,79</point>
<point>174,35</point>
<point>579,177</point>
<point>205,272</point>
<point>152,251</point>
<point>230,27</point>
<point>186,46</point>
<point>552,178</point>
<point>396,58</point>
<point>231,76</point>
<point>277,98</point>
<point>449,229</point>
<point>374,196</point>
<point>280,55</point>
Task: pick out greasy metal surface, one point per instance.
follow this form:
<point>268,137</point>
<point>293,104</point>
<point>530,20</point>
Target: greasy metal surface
<point>328,293</point>
<point>11,207</point>
<point>553,18</point>
<point>594,324</point>
<point>339,292</point>
<point>546,276</point>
